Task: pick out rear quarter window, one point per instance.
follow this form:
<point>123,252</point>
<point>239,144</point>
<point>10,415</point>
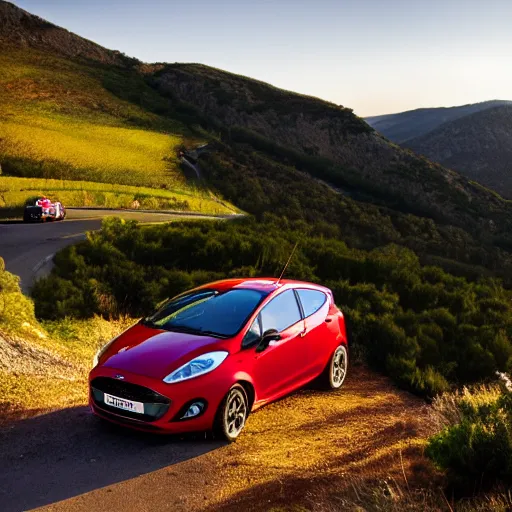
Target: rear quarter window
<point>311,300</point>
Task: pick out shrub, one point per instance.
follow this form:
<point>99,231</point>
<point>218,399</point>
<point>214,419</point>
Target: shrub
<point>15,308</point>
<point>475,445</point>
<point>402,321</point>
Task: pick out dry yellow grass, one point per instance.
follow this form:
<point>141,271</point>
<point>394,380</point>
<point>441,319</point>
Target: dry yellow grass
<point>110,154</point>
<point>23,396</point>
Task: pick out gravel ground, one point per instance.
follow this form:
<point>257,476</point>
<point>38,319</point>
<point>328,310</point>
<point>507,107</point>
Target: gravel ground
<point>19,357</point>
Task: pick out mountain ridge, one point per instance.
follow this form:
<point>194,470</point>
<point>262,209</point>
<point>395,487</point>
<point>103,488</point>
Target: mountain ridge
<point>401,127</point>
<point>21,28</point>
<point>478,145</point>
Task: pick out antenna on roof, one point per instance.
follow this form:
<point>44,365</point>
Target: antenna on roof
<point>288,262</point>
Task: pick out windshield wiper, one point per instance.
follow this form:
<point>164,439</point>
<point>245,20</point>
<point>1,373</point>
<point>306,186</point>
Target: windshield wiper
<point>192,330</point>
<point>181,328</point>
<point>214,334</point>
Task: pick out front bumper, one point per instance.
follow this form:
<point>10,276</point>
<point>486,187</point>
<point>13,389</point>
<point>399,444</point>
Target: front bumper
<point>163,403</point>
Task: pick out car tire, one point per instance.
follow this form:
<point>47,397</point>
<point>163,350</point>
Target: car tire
<point>336,370</point>
<point>232,414</point>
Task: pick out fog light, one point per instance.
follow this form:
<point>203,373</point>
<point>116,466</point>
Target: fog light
<point>193,410</point>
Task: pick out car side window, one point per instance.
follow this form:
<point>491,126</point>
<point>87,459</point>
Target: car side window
<point>281,312</point>
<point>311,300</point>
<point>253,335</point>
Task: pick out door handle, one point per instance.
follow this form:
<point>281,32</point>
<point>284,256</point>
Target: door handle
<point>328,320</point>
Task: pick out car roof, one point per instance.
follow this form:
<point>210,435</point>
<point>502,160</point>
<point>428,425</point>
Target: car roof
<point>264,284</point>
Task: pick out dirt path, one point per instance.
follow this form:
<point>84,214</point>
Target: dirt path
<point>311,442</point>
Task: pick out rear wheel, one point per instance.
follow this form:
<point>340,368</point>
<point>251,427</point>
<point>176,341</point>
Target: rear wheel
<point>336,370</point>
<point>232,414</point>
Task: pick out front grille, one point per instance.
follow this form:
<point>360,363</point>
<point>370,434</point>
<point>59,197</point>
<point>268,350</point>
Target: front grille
<point>155,404</point>
<point>128,390</point>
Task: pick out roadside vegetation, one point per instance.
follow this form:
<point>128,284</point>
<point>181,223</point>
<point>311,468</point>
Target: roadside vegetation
<point>474,446</point>
<point>15,193</point>
<point>422,326</point>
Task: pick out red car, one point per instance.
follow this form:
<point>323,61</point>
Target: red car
<point>210,356</point>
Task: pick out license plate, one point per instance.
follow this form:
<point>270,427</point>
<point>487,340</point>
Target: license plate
<point>122,403</point>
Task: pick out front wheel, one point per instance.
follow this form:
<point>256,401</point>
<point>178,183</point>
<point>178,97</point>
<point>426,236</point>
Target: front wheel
<point>232,414</point>
<point>336,370</point>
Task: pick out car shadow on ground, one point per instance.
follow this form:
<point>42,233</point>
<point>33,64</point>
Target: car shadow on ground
<point>69,452</point>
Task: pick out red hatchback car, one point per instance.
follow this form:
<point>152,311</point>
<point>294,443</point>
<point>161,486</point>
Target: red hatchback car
<point>210,356</point>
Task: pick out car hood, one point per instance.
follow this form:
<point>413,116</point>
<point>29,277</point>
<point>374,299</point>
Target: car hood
<point>156,353</point>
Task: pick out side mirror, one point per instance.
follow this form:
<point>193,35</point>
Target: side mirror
<point>268,336</point>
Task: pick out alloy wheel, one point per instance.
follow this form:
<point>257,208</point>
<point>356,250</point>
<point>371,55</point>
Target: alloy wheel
<point>339,365</point>
<point>235,413</point>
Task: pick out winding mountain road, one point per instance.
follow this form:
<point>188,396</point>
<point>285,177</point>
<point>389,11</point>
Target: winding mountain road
<point>28,249</point>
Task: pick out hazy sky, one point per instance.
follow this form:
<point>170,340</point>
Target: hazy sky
<point>375,56</point>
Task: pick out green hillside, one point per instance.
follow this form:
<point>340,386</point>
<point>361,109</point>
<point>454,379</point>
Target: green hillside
<point>65,120</point>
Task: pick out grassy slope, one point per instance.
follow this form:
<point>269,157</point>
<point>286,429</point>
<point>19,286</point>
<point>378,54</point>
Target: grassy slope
<point>14,192</point>
<point>43,366</point>
<point>63,120</point>
<point>55,375</point>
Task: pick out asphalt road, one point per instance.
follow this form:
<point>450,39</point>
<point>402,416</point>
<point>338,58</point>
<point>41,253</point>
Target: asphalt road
<point>28,249</point>
<point>70,452</point>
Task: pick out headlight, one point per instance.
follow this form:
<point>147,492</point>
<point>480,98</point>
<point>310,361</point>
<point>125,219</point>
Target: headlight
<point>198,366</point>
<point>101,351</point>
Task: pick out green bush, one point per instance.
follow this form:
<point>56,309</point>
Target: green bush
<point>476,448</point>
<point>423,327</point>
<point>15,308</point>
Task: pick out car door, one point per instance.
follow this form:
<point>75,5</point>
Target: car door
<point>318,332</point>
<point>281,367</point>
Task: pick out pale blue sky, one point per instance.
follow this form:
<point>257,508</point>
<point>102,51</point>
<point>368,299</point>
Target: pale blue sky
<point>375,56</point>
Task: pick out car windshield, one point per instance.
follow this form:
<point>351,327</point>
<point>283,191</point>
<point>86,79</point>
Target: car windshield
<point>209,312</point>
